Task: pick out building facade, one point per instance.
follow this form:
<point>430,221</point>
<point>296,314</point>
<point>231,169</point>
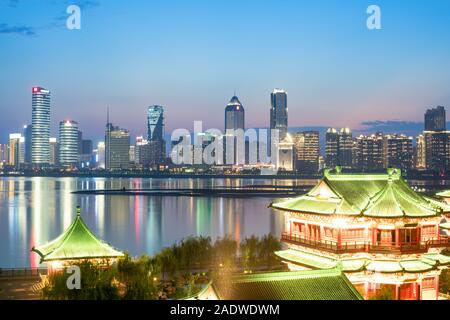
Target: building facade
<point>383,234</point>
<point>40,131</point>
<point>156,134</point>
<point>68,143</point>
<point>307,151</point>
<point>435,119</point>
<point>234,120</point>
<point>117,148</point>
<point>279,112</point>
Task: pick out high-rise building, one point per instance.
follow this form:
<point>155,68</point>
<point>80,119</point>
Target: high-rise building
<point>398,152</point>
<point>437,150</point>
<point>86,153</point>
<point>285,160</point>
<point>234,115</point>
<point>307,151</point>
<point>370,152</point>
<point>345,148</point>
<point>331,148</point>
<point>156,133</point>
<point>117,148</point>
<point>16,150</point>
<point>68,143</point>
<point>435,119</point>
<point>279,112</point>
<point>339,148</point>
<point>40,132</point>
<point>101,155</point>
<point>54,151</point>
<point>4,156</point>
<point>27,132</point>
<point>420,159</point>
<point>234,120</point>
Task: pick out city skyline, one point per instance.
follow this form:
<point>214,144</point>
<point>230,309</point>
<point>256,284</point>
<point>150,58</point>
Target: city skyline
<point>374,75</point>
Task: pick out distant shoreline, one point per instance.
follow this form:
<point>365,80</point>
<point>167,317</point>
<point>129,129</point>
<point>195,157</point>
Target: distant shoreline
<point>161,175</point>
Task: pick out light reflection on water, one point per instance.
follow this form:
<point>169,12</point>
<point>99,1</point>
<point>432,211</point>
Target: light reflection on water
<point>35,210</point>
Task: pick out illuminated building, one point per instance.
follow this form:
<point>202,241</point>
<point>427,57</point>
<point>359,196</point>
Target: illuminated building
<point>68,143</point>
<point>420,159</point>
<point>101,155</point>
<point>117,148</point>
<point>75,245</point>
<point>16,150</point>
<point>155,134</point>
<point>382,233</point>
<point>339,148</point>
<point>40,131</point>
<point>54,151</point>
<point>398,152</point>
<point>307,151</point>
<point>234,120</point>
<point>279,112</point>
<point>435,119</point>
<point>285,160</point>
<point>369,153</point>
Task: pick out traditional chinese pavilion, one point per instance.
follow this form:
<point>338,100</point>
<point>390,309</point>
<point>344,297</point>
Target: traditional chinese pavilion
<point>382,233</point>
<point>76,244</point>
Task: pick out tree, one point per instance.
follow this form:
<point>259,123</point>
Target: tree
<point>268,245</point>
<point>250,251</point>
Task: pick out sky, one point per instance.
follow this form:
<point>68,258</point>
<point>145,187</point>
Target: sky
<point>190,56</point>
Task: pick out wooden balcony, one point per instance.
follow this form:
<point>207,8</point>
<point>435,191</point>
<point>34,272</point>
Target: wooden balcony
<point>353,247</point>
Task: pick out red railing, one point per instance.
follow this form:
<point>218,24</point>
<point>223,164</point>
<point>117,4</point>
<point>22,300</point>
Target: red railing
<point>351,247</point>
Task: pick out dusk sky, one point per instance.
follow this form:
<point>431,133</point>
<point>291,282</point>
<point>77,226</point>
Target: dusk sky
<point>191,55</point>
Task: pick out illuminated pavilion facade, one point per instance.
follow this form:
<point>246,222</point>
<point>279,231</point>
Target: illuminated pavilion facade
<point>375,227</point>
<point>74,245</point>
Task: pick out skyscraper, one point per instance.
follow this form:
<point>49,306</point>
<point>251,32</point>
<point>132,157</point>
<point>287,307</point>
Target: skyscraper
<point>101,155</point>
<point>234,115</point>
<point>398,152</point>
<point>40,132</point>
<point>279,112</point>
<point>27,132</point>
<point>117,148</point>
<point>54,151</point>
<point>370,152</point>
<point>156,132</point>
<point>420,159</point>
<point>68,143</point>
<point>331,148</point>
<point>339,148</point>
<point>345,149</point>
<point>234,120</point>
<point>435,119</point>
<point>16,150</point>
<point>307,151</point>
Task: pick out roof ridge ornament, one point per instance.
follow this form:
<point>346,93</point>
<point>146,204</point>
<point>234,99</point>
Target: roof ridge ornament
<point>78,211</point>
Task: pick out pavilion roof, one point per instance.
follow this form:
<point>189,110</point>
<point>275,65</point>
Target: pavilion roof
<point>76,243</point>
<point>329,284</point>
<point>373,195</point>
<point>444,194</point>
<point>311,260</point>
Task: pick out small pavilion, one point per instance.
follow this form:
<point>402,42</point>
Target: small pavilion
<point>74,245</point>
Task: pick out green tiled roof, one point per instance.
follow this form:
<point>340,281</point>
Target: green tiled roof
<point>77,242</point>
<point>445,225</point>
<point>428,262</point>
<point>440,258</point>
<point>444,194</point>
<point>329,284</point>
<point>375,195</point>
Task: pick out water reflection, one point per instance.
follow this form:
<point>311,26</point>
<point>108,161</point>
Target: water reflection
<point>35,210</point>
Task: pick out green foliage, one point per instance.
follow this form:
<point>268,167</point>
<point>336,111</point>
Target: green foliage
<point>385,293</point>
<point>135,276</point>
<point>225,252</point>
<point>169,274</point>
<point>96,284</point>
<point>444,281</point>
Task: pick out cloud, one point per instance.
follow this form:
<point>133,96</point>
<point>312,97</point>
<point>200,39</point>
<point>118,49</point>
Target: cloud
<point>22,30</point>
